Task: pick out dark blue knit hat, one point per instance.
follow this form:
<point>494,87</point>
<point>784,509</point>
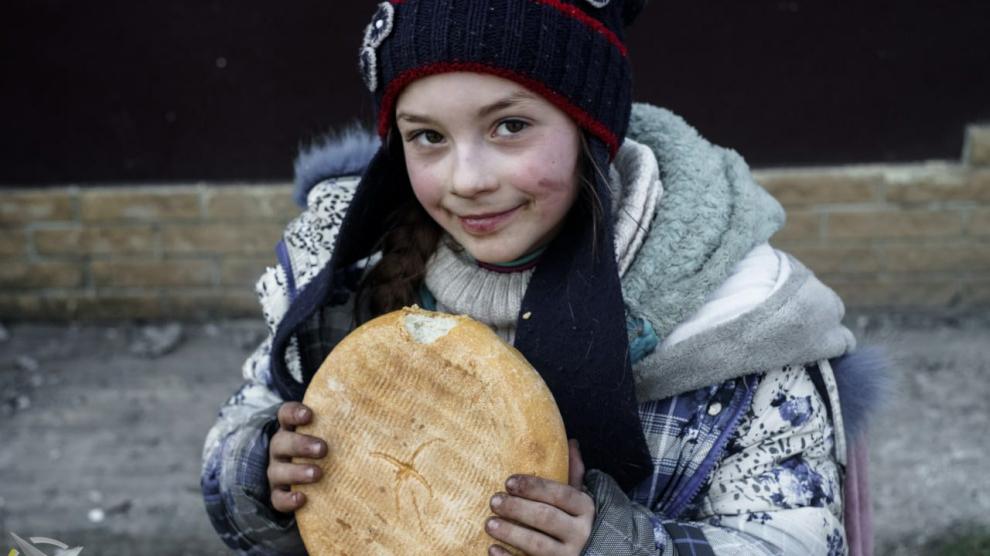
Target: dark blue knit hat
<point>571,52</point>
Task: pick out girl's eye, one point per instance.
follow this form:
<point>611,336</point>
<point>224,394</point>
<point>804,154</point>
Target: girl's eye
<point>511,126</point>
<point>431,137</point>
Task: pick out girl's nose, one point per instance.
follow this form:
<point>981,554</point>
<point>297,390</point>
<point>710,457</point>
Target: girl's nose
<point>472,176</point>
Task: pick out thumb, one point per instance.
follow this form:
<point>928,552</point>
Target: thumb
<point>575,475</point>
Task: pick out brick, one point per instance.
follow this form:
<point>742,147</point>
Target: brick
<point>250,203</point>
<point>979,185</point>
<point>977,149</point>
<point>199,305</point>
<point>938,183</point>
<point>243,273</point>
<point>19,306</point>
<point>800,225</point>
<point>979,223</point>
<point>131,240</point>
<point>832,259</point>
<point>936,258</point>
<point>284,207</point>
<point>924,183</point>
<point>114,306</point>
<point>152,205</point>
<point>153,273</point>
<point>22,207</point>
<point>886,294</point>
<point>21,274</point>
<point>65,306</point>
<point>13,243</point>
<point>816,187</point>
<point>893,224</point>
<point>253,239</point>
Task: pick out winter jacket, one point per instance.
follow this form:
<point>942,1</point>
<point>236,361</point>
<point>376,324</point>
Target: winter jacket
<point>732,344</point>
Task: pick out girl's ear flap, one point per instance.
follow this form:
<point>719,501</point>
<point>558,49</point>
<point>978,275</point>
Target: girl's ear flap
<point>337,154</point>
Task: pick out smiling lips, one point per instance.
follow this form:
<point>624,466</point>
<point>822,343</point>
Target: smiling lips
<point>481,224</point>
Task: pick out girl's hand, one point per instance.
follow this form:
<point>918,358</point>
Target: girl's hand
<point>552,519</point>
<point>285,445</point>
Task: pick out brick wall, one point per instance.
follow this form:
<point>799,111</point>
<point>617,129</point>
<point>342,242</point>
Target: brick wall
<point>893,236</point>
<point>152,252</point>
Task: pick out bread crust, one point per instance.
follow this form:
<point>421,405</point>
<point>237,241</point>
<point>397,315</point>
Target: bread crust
<point>426,414</point>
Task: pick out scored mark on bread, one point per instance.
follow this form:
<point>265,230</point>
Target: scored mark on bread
<point>426,329</point>
<point>407,470</point>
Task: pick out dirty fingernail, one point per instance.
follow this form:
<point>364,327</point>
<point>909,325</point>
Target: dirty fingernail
<point>496,501</point>
<point>301,413</point>
<point>512,483</point>
<point>493,524</point>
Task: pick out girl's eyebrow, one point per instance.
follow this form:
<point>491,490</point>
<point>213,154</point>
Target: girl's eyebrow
<point>516,97</point>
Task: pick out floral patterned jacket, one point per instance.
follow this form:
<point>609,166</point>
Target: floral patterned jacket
<point>752,465</point>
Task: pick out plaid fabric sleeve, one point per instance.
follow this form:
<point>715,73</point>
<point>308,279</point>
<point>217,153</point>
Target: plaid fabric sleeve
<point>624,528</point>
<point>237,495</point>
<point>234,478</point>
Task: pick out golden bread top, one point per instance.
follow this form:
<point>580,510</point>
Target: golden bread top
<point>425,414</point>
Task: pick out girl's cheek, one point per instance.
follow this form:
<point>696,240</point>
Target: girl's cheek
<point>554,186</point>
<point>426,186</point>
<point>540,178</point>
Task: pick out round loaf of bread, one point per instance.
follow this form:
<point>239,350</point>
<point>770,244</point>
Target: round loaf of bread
<point>426,415</point>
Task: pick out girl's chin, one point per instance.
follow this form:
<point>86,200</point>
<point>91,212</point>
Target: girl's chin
<point>492,254</point>
<point>493,258</point>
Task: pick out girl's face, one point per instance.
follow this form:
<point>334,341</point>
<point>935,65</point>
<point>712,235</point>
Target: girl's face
<point>493,163</point>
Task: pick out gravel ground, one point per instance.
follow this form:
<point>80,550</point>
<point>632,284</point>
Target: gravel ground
<point>102,430</point>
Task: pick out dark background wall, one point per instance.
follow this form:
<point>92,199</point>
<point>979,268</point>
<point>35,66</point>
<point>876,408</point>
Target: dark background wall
<point>113,91</point>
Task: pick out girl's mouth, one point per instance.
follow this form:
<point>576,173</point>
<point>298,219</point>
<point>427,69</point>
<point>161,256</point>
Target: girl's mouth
<point>482,224</point>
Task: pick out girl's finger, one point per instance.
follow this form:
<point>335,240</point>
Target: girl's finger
<point>529,541</point>
<point>291,414</point>
<point>576,469</point>
<point>286,501</point>
<point>498,550</point>
<point>536,515</point>
<point>565,497</point>
<point>288,444</point>
<point>283,474</point>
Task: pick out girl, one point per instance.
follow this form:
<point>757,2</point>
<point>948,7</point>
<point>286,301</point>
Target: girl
<point>697,368</point>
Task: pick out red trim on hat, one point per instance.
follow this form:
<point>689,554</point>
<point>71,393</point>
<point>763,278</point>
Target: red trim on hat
<point>582,118</point>
<point>580,15</point>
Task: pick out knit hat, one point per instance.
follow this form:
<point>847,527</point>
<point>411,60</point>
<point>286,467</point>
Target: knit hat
<point>572,53</point>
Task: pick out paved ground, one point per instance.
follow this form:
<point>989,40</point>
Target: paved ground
<point>102,428</point>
